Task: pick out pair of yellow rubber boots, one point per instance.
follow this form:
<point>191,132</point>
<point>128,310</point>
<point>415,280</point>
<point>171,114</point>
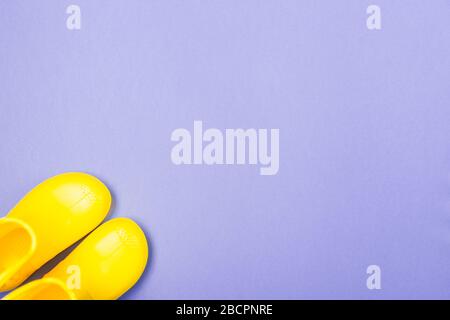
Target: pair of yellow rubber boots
<point>51,217</point>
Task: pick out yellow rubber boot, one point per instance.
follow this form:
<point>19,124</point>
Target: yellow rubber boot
<point>55,214</point>
<point>103,267</point>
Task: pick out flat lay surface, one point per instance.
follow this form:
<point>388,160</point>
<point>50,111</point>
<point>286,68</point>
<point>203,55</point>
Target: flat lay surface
<point>364,137</point>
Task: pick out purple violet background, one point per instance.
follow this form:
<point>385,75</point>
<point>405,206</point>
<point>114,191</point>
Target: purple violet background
<point>364,137</point>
